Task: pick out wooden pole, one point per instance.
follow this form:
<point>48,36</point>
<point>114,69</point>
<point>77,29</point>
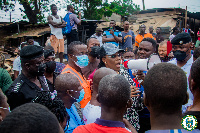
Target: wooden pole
<point>186,17</point>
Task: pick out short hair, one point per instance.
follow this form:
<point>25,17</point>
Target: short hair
<point>30,118</point>
<point>64,81</point>
<point>52,6</point>
<point>114,91</point>
<point>196,53</point>
<point>195,72</point>
<point>163,42</point>
<point>165,88</point>
<point>71,48</point>
<point>152,41</point>
<point>68,7</point>
<point>28,37</point>
<point>113,20</point>
<point>53,103</point>
<point>88,40</point>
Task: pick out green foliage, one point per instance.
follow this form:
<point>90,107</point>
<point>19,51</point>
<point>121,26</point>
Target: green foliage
<point>95,9</point>
<point>91,9</point>
<point>121,7</point>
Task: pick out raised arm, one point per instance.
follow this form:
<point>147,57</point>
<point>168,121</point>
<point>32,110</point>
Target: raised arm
<point>117,38</point>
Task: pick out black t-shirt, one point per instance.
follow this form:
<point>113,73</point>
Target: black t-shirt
<point>196,114</point>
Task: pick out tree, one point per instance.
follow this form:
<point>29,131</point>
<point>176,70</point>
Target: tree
<point>121,7</point>
<point>92,9</point>
<point>34,9</point>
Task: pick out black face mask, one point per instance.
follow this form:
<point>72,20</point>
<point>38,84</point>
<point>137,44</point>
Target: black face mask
<point>50,66</point>
<point>180,55</point>
<point>41,69</point>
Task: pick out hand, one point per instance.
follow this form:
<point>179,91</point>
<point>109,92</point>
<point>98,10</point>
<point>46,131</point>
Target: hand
<point>126,122</point>
<point>60,23</point>
<point>112,32</point>
<point>79,14</point>
<point>134,91</point>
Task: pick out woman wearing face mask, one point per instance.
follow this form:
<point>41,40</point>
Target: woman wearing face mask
<point>49,73</point>
<point>4,107</point>
<point>111,57</point>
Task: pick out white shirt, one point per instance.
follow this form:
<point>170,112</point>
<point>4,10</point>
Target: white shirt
<point>91,113</point>
<point>56,31</point>
<point>171,36</point>
<point>98,38</point>
<point>186,69</point>
<point>17,65</point>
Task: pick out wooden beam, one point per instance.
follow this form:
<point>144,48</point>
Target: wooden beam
<point>186,17</point>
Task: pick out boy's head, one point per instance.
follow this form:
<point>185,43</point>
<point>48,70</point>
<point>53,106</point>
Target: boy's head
<point>114,92</point>
<point>165,87</point>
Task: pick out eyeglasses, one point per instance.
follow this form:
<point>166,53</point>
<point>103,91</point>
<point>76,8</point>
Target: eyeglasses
<point>115,55</point>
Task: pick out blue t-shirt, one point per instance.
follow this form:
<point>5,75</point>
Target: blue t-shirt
<point>108,35</point>
<point>128,39</point>
<point>75,119</point>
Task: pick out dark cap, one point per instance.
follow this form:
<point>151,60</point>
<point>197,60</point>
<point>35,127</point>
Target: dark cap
<point>48,53</point>
<point>181,38</point>
<point>111,49</point>
<point>31,52</point>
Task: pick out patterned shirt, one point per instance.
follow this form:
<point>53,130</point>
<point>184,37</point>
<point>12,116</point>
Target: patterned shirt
<point>73,20</point>
<point>131,113</point>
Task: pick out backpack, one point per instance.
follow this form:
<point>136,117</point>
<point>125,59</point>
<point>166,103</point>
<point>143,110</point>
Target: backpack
<point>68,27</point>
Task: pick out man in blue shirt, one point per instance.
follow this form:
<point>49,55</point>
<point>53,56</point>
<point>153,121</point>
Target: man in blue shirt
<point>70,91</point>
<point>128,37</point>
<point>112,35</point>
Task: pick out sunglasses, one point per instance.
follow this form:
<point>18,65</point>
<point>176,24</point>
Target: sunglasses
<point>115,55</point>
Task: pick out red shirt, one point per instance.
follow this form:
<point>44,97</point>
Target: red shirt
<point>102,126</point>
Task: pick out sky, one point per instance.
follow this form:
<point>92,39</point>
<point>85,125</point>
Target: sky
<point>193,6</point>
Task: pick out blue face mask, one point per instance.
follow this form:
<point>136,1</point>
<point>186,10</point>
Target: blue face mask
<point>83,61</point>
<point>82,93</point>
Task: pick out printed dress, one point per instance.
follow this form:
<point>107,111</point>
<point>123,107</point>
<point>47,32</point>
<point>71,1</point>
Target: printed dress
<point>132,113</point>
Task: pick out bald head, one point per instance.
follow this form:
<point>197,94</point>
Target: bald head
<point>114,91</point>
<point>65,81</point>
<point>99,74</point>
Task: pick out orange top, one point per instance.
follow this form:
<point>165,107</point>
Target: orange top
<point>84,83</point>
<point>139,38</point>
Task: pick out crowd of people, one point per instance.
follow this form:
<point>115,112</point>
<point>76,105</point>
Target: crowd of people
<point>95,91</point>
